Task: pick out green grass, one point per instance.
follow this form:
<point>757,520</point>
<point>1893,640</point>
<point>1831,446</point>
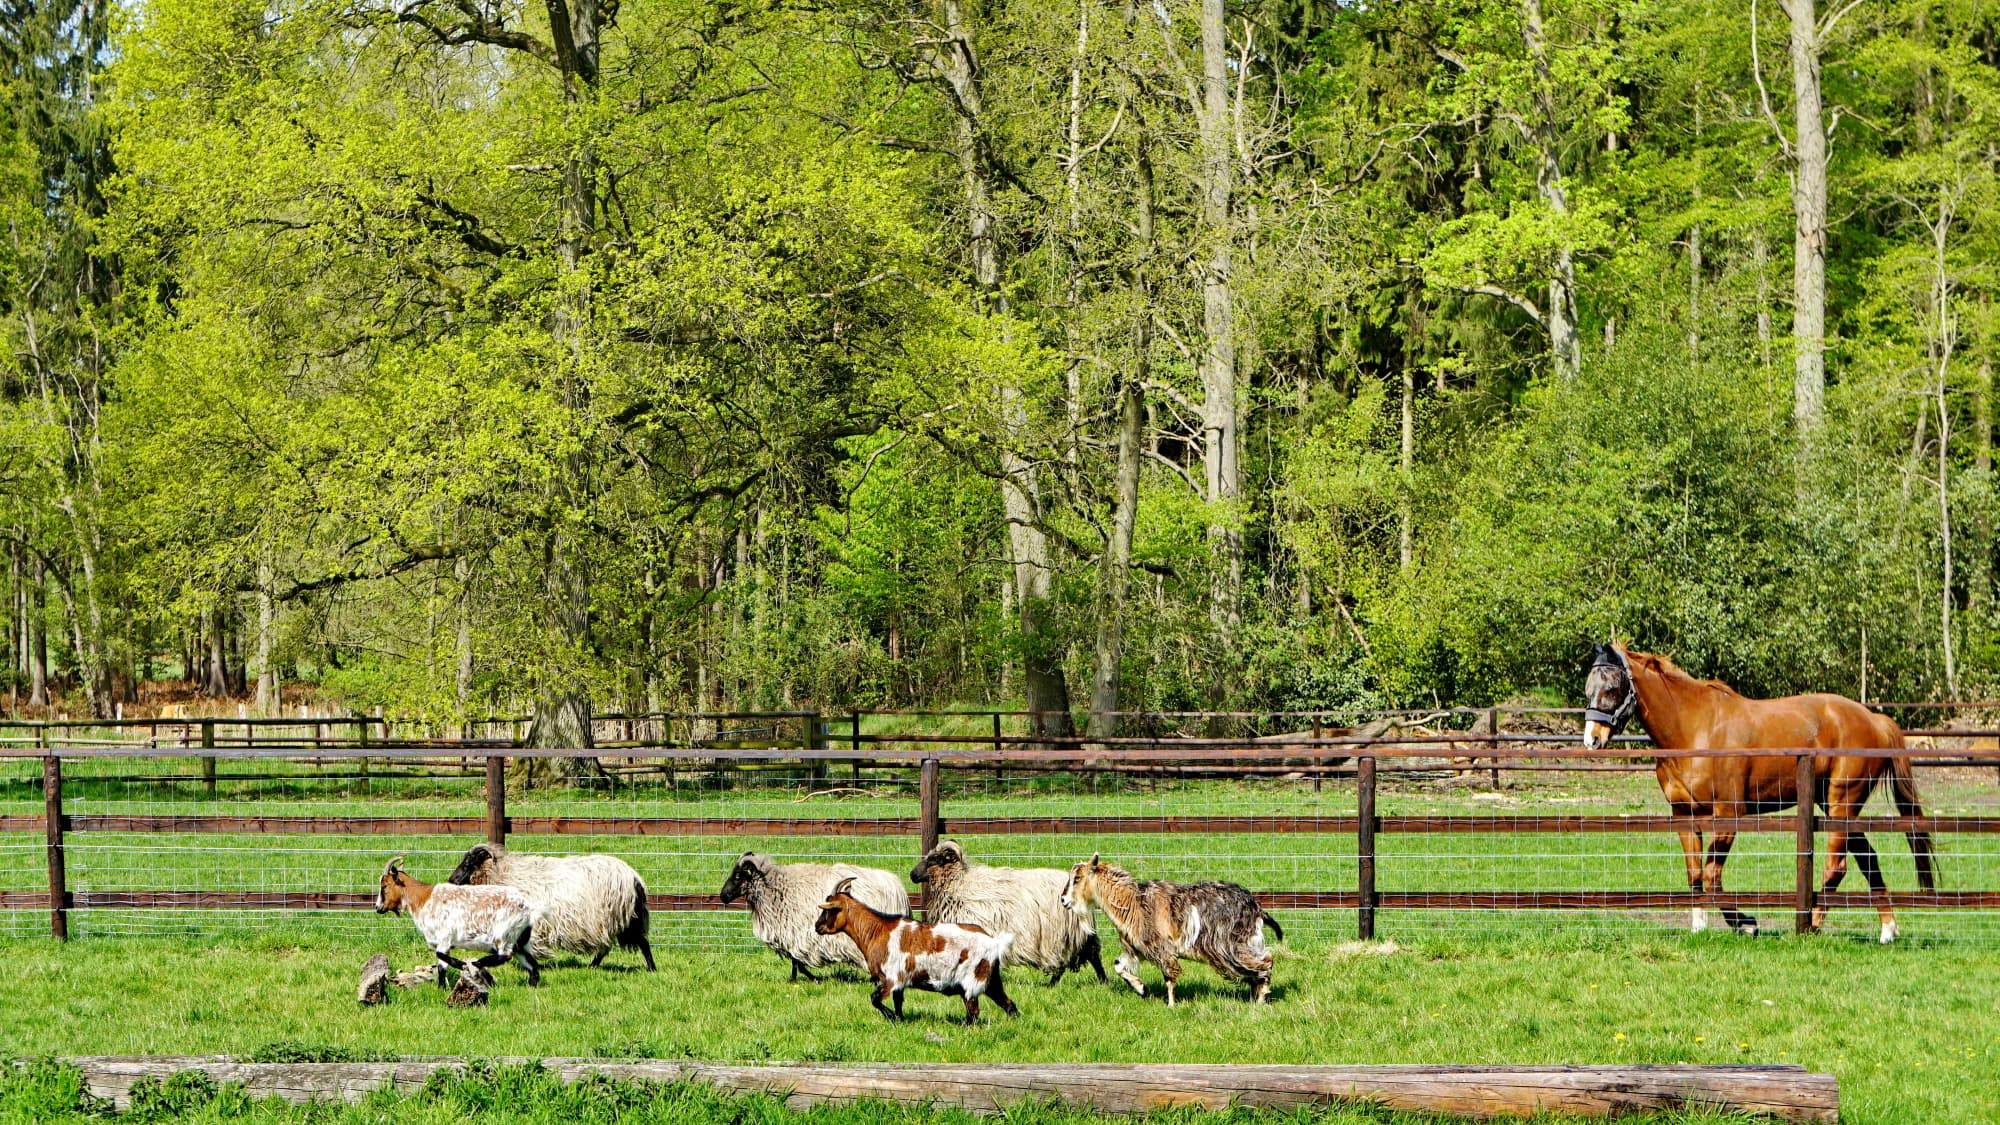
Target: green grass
<point>1913,1033</point>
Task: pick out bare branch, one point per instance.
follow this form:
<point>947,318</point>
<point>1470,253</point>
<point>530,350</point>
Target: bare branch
<point>1763,95</point>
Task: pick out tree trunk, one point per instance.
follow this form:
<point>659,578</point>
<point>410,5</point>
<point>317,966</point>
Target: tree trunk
<point>1413,329</point>
<point>1044,684</point>
<point>1809,211</point>
<point>37,635</point>
<point>461,570</point>
<point>1760,259</point>
<point>562,709</point>
<point>1979,561</point>
<point>1219,408</point>
<point>1115,576</point>
<point>215,670</point>
<point>267,672</point>
<point>1565,342</point>
<point>1944,337</point>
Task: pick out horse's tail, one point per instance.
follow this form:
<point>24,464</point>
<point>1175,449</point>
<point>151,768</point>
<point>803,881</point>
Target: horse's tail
<point>1903,787</point>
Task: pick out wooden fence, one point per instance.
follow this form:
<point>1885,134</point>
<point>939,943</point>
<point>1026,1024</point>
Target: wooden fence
<point>1312,754</point>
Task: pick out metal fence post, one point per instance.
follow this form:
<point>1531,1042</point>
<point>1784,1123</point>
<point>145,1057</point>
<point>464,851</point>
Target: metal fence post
<point>1365,845</point>
<point>496,800</point>
<point>1803,892</point>
<point>52,816</point>
<point>930,822</point>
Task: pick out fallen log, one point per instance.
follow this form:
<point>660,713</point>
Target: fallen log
<point>1784,1093</point>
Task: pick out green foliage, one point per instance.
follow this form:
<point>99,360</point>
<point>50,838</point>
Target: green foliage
<point>453,381</point>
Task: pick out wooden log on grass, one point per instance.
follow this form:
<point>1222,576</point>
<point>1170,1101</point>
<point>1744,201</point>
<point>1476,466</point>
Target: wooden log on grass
<point>1783,1093</point>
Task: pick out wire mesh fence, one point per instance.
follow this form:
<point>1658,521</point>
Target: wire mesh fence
<point>1476,829</point>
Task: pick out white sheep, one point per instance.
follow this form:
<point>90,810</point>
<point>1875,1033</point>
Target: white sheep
<point>588,902</point>
<point>785,903</point>
<point>1024,902</point>
<point>496,921</point>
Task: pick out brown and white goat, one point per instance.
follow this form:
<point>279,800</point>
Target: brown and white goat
<point>1161,922</point>
<point>957,960</point>
<point>494,920</point>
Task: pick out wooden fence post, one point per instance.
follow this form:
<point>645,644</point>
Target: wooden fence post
<point>208,759</point>
<point>1318,763</point>
<point>927,797</point>
<point>815,739</point>
<point>52,816</point>
<point>996,732</point>
<point>1491,723</point>
<point>496,800</point>
<point>364,743</point>
<point>1808,791</point>
<point>1365,845</point>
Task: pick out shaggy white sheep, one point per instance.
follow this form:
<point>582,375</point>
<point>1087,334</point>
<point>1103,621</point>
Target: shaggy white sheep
<point>588,903</point>
<point>1025,902</point>
<point>785,903</point>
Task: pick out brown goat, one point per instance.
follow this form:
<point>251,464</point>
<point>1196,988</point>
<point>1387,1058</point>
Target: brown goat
<point>953,959</point>
<point>1160,922</point>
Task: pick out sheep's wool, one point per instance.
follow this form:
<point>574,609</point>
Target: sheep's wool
<point>785,903</point>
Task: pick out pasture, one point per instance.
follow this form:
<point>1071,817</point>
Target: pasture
<point>1912,1031</point>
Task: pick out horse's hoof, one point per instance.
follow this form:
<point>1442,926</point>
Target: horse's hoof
<point>1888,933</point>
<point>1698,921</point>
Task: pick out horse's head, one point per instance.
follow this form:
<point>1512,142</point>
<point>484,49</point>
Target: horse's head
<point>1609,699</point>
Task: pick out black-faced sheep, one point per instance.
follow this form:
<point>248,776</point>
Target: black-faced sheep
<point>496,921</point>
<point>588,903</point>
<point>948,958</point>
<point>785,899</point>
<point>1024,902</point>
<point>1160,922</point>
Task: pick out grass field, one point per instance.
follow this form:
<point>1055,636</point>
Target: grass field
<point>1913,1033</point>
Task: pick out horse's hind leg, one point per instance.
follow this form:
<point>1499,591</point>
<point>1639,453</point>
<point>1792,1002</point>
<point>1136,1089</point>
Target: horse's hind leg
<point>1711,879</point>
<point>1878,890</point>
<point>1836,869</point>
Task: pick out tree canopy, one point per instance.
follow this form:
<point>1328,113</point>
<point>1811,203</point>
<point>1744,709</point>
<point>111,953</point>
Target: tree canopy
<point>482,356</point>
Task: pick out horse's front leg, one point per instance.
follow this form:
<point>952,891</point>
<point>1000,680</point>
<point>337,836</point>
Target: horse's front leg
<point>1691,854</point>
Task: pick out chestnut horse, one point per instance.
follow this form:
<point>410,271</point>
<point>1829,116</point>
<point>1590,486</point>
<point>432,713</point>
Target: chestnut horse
<point>1683,713</point>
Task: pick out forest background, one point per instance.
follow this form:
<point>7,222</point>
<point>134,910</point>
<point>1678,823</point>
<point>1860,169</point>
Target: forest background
<point>467,357</point>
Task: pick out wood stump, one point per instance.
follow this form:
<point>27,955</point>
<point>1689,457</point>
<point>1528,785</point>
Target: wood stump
<point>374,980</point>
<point>470,991</point>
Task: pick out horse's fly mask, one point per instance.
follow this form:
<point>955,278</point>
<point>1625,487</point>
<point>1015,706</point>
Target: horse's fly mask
<point>1609,656</point>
